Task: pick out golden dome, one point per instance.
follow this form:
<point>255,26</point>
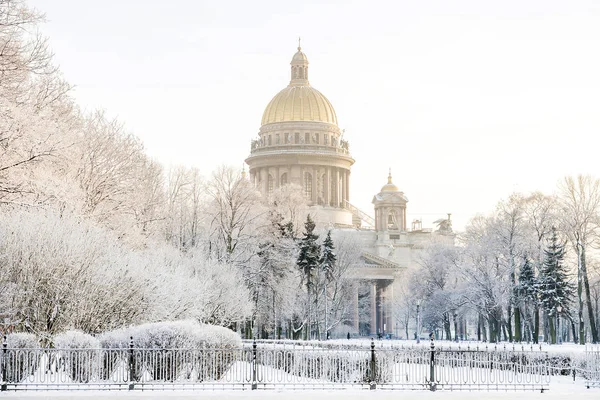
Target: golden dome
<point>390,187</point>
<point>299,57</point>
<point>299,101</point>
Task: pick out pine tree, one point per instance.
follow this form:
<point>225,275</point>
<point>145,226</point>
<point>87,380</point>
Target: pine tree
<point>308,261</point>
<point>327,262</point>
<point>527,295</point>
<point>527,288</point>
<point>554,286</point>
<point>328,258</point>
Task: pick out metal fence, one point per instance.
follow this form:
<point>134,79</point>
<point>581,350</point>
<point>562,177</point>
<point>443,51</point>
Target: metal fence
<point>269,366</point>
<point>590,369</point>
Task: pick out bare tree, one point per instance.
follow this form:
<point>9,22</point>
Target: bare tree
<point>35,112</point>
<point>579,200</point>
<point>236,216</point>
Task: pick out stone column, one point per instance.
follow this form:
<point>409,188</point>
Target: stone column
<point>374,309</point>
<point>314,185</point>
<point>277,178</point>
<point>344,189</point>
<point>404,219</point>
<point>264,177</point>
<point>326,187</point>
<point>390,306</point>
<point>381,309</point>
<point>336,187</point>
<point>348,185</point>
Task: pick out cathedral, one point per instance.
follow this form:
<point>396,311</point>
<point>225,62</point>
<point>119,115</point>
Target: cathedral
<point>300,142</point>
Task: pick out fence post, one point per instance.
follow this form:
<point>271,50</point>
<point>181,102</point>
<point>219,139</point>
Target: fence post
<point>131,364</point>
<point>254,383</point>
<point>4,386</point>
<point>432,385</point>
<point>373,383</point>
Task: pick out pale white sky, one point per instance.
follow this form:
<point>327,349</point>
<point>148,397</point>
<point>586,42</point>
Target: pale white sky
<point>466,101</point>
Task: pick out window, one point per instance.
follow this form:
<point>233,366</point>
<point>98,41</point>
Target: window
<point>287,137</point>
<point>394,237</point>
<point>308,186</point>
<point>270,184</point>
<point>326,138</point>
<point>277,138</point>
<point>283,179</point>
<point>316,138</point>
<point>297,138</point>
<point>269,141</point>
<point>392,220</point>
<point>307,138</point>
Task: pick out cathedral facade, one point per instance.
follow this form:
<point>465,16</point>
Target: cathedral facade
<point>300,142</point>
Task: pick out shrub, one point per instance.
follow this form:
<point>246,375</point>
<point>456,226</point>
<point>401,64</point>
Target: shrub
<point>174,350</point>
<point>23,356</point>
<point>79,355</point>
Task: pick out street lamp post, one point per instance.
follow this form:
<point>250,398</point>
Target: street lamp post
<point>418,322</point>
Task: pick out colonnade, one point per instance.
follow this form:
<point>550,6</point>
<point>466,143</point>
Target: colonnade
<point>317,182</point>
<point>380,297</point>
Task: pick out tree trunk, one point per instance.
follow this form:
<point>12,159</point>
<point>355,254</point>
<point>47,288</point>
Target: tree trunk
<point>588,297</point>
<point>492,328</point>
<point>455,317</point>
<point>518,336</point>
<point>579,296</point>
<point>536,325</point>
<point>479,327</point>
<point>447,332</point>
<point>509,323</point>
<point>552,329</point>
<point>504,330</point>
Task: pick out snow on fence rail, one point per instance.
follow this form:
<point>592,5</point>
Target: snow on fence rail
<point>267,366</point>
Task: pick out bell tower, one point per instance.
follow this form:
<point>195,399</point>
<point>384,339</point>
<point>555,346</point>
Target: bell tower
<point>390,213</point>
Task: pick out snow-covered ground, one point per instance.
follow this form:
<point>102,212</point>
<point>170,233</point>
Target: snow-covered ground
<point>558,390</point>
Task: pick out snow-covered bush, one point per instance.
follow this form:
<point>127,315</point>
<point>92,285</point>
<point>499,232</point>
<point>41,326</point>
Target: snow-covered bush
<point>79,355</point>
<point>185,334</point>
<point>23,357</point>
<point>176,348</point>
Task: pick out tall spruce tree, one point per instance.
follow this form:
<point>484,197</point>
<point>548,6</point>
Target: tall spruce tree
<point>308,263</point>
<point>327,262</point>
<point>526,293</point>
<point>328,258</point>
<point>555,288</point>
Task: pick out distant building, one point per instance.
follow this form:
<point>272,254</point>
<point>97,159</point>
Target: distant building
<point>300,142</point>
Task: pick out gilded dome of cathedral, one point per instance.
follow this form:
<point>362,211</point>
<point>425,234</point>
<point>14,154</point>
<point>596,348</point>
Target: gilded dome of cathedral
<point>299,101</point>
<point>390,187</point>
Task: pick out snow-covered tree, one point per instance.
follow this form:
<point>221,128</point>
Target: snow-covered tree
<point>308,264</point>
<point>554,286</point>
<point>236,214</point>
<point>579,202</point>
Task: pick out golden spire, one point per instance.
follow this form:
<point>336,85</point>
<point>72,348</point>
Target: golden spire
<point>390,177</point>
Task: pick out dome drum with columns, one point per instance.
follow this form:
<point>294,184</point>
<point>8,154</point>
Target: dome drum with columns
<point>300,142</point>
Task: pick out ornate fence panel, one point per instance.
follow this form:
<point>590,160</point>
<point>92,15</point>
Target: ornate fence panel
<point>591,368</point>
<point>312,367</point>
<point>279,365</point>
